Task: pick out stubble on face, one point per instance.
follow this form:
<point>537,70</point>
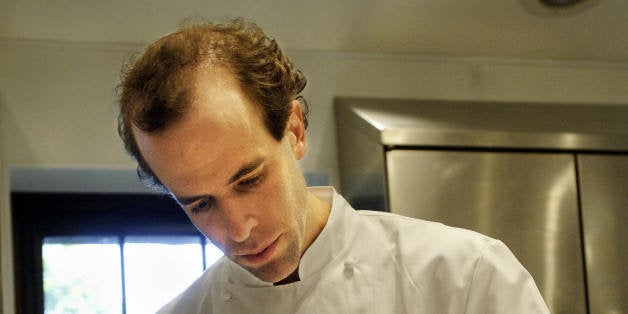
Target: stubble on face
<point>294,217</point>
<point>280,267</point>
<point>181,157</point>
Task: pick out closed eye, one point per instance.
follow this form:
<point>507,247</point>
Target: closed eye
<point>250,182</point>
<point>202,205</point>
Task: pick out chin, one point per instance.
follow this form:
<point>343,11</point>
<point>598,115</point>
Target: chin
<point>273,272</point>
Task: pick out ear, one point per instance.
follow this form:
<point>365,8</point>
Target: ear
<point>295,130</point>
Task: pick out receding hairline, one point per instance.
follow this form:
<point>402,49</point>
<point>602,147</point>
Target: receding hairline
<point>196,75</point>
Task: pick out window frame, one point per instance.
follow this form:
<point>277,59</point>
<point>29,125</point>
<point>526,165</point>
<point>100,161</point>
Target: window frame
<point>40,215</point>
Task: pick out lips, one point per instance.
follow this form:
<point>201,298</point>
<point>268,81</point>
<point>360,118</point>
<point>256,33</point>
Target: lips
<point>260,256</point>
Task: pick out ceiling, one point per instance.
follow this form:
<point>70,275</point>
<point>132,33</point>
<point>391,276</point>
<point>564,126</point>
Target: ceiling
<point>595,31</point>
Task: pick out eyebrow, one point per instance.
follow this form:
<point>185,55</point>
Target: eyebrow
<point>246,169</point>
<point>243,171</point>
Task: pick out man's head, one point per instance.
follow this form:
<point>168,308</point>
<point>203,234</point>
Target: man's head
<point>156,91</point>
<point>212,114</point>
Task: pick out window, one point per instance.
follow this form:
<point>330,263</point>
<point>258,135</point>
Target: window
<point>81,275</point>
<point>103,253</point>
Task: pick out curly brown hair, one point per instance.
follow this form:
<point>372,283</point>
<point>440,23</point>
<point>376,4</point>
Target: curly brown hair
<point>155,89</point>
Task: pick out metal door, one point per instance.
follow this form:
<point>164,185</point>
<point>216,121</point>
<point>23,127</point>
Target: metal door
<point>604,195</point>
<point>527,200</point>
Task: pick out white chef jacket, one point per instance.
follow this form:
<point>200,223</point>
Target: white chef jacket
<point>376,262</point>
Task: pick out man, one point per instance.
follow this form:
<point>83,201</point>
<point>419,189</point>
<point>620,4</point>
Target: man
<point>213,115</point>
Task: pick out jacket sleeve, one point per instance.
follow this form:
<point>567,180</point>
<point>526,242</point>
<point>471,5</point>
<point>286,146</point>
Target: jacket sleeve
<point>500,284</point>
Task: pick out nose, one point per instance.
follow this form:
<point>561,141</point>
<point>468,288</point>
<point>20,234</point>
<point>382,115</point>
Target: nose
<point>238,222</point>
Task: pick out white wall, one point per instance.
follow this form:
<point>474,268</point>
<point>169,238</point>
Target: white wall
<point>57,105</point>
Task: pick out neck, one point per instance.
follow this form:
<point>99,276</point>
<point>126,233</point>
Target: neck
<point>294,277</point>
<point>318,214</point>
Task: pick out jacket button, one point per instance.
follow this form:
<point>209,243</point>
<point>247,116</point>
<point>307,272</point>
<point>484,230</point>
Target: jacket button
<point>348,271</point>
<point>226,296</point>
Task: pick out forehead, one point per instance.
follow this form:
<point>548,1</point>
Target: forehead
<point>221,130</point>
<point>216,90</point>
<point>219,107</point>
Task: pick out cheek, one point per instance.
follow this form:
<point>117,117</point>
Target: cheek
<point>277,196</point>
<point>287,197</point>
<point>208,226</point>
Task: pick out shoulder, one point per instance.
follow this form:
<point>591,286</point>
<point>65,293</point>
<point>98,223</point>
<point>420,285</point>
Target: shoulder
<point>500,281</point>
<point>427,237</point>
<point>459,268</point>
<point>429,254</point>
<point>423,243</point>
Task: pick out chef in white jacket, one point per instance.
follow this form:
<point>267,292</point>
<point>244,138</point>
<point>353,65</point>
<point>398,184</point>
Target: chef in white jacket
<point>213,115</point>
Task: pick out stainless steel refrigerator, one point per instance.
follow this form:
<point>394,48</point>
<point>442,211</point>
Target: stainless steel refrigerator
<point>549,180</point>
